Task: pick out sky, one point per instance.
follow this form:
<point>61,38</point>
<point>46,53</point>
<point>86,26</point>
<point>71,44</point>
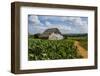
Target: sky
<point>65,24</point>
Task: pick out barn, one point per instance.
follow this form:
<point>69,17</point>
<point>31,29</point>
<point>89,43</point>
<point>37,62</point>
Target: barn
<point>51,34</point>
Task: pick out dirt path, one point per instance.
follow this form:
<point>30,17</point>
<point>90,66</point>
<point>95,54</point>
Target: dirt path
<point>81,51</point>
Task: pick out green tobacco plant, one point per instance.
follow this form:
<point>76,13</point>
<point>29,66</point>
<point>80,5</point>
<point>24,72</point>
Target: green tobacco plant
<point>51,49</point>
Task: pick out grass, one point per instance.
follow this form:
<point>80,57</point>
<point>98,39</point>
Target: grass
<point>83,41</point>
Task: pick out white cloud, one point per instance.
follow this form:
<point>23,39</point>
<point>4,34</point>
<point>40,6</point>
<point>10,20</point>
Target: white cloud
<point>48,23</point>
<point>34,19</point>
<point>61,27</point>
<point>77,25</point>
<point>83,25</point>
<point>34,25</point>
<point>36,29</point>
<point>79,21</point>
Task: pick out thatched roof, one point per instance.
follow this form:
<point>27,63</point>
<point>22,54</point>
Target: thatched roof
<point>52,30</point>
<point>47,32</point>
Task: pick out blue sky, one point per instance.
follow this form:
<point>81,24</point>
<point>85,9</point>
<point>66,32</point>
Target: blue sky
<point>66,24</point>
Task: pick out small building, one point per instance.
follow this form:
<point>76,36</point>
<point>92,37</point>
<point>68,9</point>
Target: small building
<point>51,34</point>
<point>55,36</point>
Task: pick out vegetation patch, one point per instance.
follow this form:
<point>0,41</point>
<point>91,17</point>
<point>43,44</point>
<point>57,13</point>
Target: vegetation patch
<point>40,49</point>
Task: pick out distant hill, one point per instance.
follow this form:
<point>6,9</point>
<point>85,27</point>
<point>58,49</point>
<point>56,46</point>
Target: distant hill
<point>75,35</point>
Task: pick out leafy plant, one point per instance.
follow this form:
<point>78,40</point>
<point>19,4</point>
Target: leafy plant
<point>39,49</point>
